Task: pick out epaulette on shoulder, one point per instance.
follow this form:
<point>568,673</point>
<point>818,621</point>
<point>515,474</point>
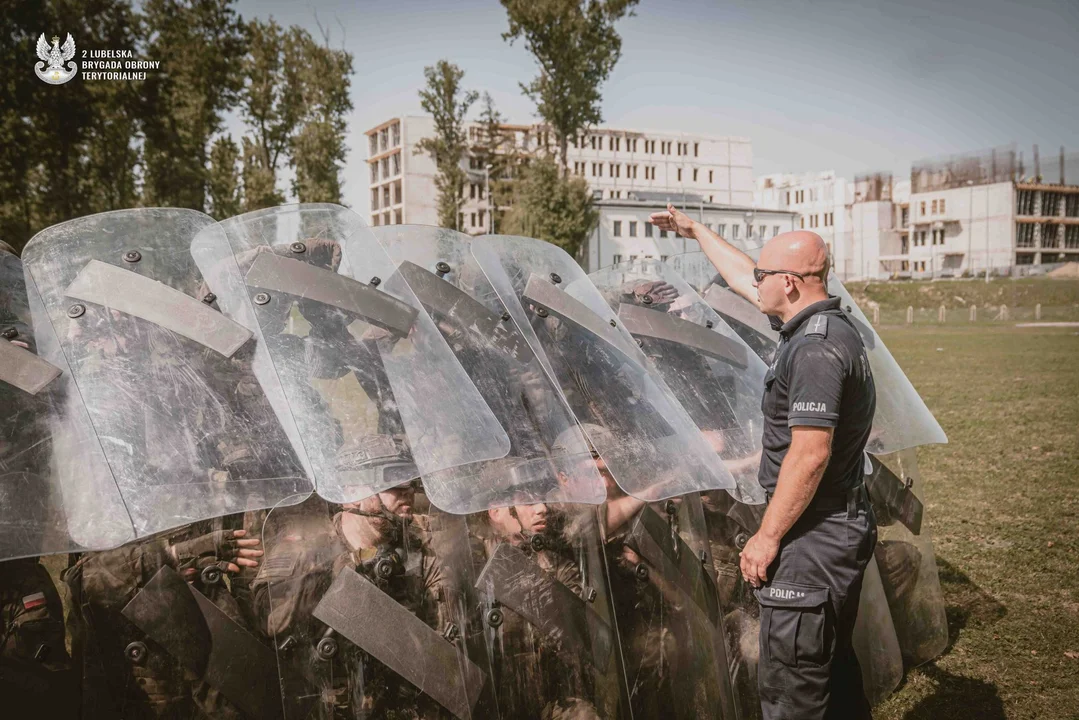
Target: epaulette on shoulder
<point>817,326</point>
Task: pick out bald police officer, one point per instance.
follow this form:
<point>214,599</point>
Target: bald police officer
<point>808,558</point>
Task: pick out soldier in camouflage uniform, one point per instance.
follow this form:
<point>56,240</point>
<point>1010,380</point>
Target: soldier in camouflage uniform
<point>378,537</point>
<point>535,677</point>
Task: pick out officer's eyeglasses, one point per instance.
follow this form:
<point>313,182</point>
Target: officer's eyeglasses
<point>759,275</point>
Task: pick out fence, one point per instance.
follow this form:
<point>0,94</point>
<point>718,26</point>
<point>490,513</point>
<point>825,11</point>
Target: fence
<point>989,314</point>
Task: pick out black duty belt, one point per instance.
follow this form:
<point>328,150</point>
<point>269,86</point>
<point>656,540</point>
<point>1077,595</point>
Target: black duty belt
<point>850,501</point>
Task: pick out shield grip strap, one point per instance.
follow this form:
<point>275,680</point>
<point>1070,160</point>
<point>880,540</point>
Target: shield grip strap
<point>133,294</point>
<point>208,643</point>
<point>889,490</point>
<point>374,622</point>
<point>642,322</point>
<point>530,591</point>
<point>727,303</point>
<point>651,537</point>
<point>310,282</point>
<point>442,297</point>
<point>25,370</point>
<point>559,303</point>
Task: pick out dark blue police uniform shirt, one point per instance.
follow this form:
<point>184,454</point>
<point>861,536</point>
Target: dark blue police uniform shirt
<point>820,377</point>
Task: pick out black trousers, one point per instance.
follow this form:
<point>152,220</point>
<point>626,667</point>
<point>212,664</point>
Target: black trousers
<point>808,669</point>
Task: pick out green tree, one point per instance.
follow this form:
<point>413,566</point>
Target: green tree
<point>496,153</point>
<point>576,47</point>
<point>200,44</point>
<point>223,188</point>
<point>448,104</point>
<point>323,78</point>
<point>551,206</point>
<point>260,186</point>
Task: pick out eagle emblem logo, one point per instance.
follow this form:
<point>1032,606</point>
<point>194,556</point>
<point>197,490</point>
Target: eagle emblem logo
<point>54,73</point>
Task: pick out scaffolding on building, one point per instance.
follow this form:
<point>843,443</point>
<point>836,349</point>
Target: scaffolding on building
<point>993,165</point>
<point>873,187</point>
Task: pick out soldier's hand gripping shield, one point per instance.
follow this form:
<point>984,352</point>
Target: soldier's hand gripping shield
<point>653,449</point>
<point>167,380</point>
<point>549,459</point>
<point>670,619</point>
<point>710,370</point>
<point>367,620</point>
<point>378,397</point>
<point>49,455</point>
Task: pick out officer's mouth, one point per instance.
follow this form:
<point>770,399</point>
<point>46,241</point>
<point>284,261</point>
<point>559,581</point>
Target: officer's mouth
<point>538,526</point>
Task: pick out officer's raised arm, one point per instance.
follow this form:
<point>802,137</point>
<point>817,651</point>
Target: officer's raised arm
<point>734,265</point>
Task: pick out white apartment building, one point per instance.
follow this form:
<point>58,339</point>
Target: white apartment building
<point>624,233</point>
<point>614,162</point>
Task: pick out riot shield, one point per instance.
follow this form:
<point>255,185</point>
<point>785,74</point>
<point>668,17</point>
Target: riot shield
<point>670,619</point>
<point>652,447</point>
<point>167,380</point>
<point>159,629</point>
<point>49,456</point>
<point>902,420</point>
<point>905,557</point>
<point>366,618</point>
<point>710,370</point>
<point>549,459</point>
<point>377,395</point>
<point>742,316</point>
<point>875,641</point>
<point>545,609</point>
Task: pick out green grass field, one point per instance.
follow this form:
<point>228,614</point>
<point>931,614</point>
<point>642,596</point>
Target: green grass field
<point>1003,507</point>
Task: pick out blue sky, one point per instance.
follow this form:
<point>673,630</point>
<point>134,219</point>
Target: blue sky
<point>816,84</point>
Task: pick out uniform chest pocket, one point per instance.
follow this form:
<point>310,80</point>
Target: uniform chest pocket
<point>796,624</point>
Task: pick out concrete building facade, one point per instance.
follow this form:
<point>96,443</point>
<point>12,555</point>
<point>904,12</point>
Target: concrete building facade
<point>624,233</point>
<point>614,162</point>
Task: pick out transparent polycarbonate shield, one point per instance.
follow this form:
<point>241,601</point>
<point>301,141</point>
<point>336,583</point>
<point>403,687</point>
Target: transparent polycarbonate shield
<point>905,557</point>
<point>875,641</point>
<point>902,420</point>
<point>49,455</point>
<point>549,458</point>
<point>166,379</point>
<point>744,317</point>
<point>367,618</point>
<point>670,620</point>
<point>377,395</point>
<point>714,375</point>
<point>649,443</point>
<point>545,609</point>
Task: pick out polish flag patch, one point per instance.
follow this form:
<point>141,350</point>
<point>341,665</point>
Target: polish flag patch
<point>33,601</point>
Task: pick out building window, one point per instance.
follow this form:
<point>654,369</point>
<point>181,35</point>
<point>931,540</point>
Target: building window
<point>694,174</point>
<point>374,172</point>
<point>473,218</point>
<point>942,206</point>
<point>802,222</point>
<point>934,206</point>
<point>721,229</point>
<point>375,220</point>
<point>633,228</point>
<point>385,168</point>
<point>734,231</point>
<point>663,258</point>
<point>374,198</point>
<point>616,144</point>
<point>372,144</point>
<point>648,229</point>
<point>1024,258</point>
<point>696,147</point>
<point>904,217</point>
<point>788,197</point>
<point>764,229</point>
<point>396,132</point>
<point>472,190</point>
<point>396,160</point>
<point>662,234</point>
<point>633,258</point>
<point>709,177</point>
<point>386,196</point>
<point>618,228</point>
<point>775,230</point>
<point>679,174</point>
<point>922,213</point>
<point>397,220</point>
<point>482,218</point>
<point>616,259</point>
